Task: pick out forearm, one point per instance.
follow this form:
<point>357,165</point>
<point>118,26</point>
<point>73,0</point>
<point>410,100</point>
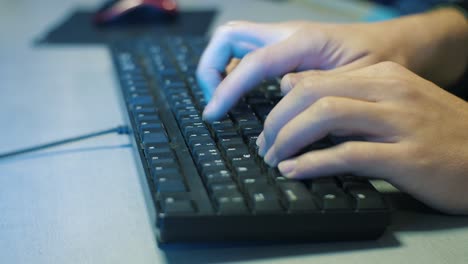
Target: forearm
<point>436,44</point>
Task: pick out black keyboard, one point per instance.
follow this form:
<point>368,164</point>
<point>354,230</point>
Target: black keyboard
<point>206,180</point>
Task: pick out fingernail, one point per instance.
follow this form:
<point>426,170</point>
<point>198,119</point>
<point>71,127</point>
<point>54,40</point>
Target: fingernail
<point>208,111</point>
<point>206,116</point>
<point>261,144</point>
<point>287,167</point>
<point>288,82</point>
<point>270,157</point>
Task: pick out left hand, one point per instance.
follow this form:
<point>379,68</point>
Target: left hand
<point>416,134</point>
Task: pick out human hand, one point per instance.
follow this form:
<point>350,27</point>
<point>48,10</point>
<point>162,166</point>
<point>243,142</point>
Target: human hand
<point>415,133</point>
<point>270,50</point>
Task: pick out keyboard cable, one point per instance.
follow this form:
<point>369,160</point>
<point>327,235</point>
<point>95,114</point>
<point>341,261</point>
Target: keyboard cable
<point>121,130</point>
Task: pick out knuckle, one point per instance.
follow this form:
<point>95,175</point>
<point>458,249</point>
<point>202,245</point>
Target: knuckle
<point>300,82</point>
<point>414,149</point>
<point>315,72</point>
<point>393,82</point>
<point>403,89</point>
<point>314,81</point>
<point>305,29</point>
<point>302,88</point>
<point>300,93</point>
<point>301,31</point>
<point>389,66</point>
<point>327,107</point>
<point>349,155</point>
<point>223,30</point>
<point>409,93</point>
<point>308,167</point>
<point>261,55</point>
<point>419,154</point>
<point>253,56</point>
<point>287,82</point>
<point>320,36</point>
<point>375,58</point>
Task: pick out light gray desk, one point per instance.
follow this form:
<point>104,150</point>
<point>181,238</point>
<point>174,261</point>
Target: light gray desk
<point>83,203</point>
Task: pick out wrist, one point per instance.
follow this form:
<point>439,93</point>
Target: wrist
<point>433,44</point>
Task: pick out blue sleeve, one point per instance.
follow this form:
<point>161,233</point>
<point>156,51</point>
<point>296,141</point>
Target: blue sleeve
<point>405,7</point>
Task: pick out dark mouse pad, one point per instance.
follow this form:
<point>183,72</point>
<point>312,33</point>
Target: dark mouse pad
<point>78,28</point>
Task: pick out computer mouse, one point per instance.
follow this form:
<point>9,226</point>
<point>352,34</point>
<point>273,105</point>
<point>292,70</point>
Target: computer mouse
<point>127,12</point>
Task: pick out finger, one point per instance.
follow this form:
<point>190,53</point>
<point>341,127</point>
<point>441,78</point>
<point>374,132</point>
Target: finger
<point>232,65</point>
<point>326,116</point>
<point>292,79</point>
<point>311,89</point>
<point>235,39</point>
<point>266,62</point>
<point>368,159</point>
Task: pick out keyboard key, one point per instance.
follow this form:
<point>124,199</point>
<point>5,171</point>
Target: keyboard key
<point>218,176</point>
<point>165,168</point>
<point>296,196</point>
<point>154,148</point>
<point>220,131</point>
<point>141,117</point>
<point>144,109</point>
<point>247,170</point>
<point>169,185</point>
<point>206,155</point>
<point>201,142</point>
<point>248,124</point>
<point>168,174</point>
<point>140,98</point>
<point>145,125</point>
<point>210,166</point>
<point>196,132</point>
<point>349,181</point>
<point>188,121</point>
<point>330,196</point>
<point>230,203</point>
<point>263,198</point>
<point>366,198</point>
<point>222,187</point>
<point>226,133</point>
<point>154,135</point>
<point>195,137</point>
<point>246,160</point>
<point>262,110</point>
<point>172,79</point>
<point>222,124</point>
<point>226,143</point>
<point>171,206</point>
<point>249,132</point>
<point>251,180</point>
<point>235,151</point>
<point>156,159</point>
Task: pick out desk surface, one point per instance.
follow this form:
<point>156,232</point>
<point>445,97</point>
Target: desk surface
<point>83,203</point>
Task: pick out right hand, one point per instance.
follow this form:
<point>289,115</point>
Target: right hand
<point>271,50</point>
<point>410,132</point>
